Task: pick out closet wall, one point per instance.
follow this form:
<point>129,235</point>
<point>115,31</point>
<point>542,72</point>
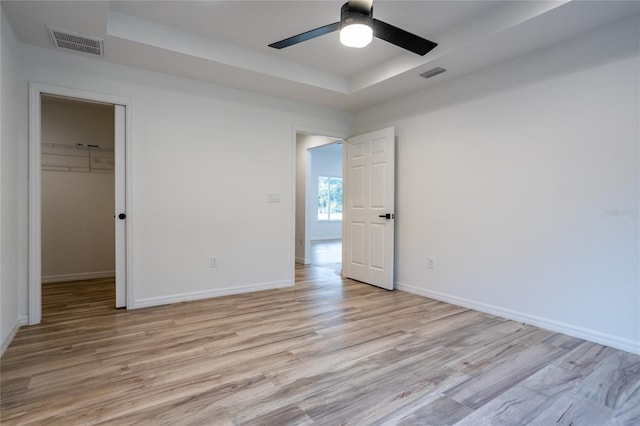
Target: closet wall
<point>78,239</point>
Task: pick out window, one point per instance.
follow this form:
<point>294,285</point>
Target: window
<point>329,198</point>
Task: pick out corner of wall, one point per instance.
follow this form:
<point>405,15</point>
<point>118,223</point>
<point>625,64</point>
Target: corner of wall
<point>13,186</point>
<point>6,341</point>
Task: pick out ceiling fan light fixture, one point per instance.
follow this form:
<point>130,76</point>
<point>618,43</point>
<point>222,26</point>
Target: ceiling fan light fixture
<point>357,27</point>
<point>356,35</point>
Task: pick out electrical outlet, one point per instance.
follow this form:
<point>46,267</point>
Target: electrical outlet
<point>213,262</point>
<point>431,264</point>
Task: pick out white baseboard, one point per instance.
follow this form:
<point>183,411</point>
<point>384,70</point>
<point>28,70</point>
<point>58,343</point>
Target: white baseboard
<point>78,277</point>
<point>206,294</point>
<point>559,327</point>
<point>326,239</point>
<point>22,320</point>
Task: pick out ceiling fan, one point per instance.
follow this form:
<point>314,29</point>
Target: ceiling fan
<point>358,27</point>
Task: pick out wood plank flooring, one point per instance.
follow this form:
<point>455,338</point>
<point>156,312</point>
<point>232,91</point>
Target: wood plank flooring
<point>324,352</point>
<point>328,254</point>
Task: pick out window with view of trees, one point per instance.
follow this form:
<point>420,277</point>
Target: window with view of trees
<point>329,198</point>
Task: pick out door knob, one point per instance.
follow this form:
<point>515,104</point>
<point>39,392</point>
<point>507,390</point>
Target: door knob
<point>387,216</point>
<point>122,216</point>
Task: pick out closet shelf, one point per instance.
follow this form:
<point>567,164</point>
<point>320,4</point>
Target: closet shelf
<point>76,158</point>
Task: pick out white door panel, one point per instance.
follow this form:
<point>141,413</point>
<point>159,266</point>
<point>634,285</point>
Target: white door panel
<point>357,244</point>
<point>357,187</point>
<point>370,196</point>
<point>378,176</point>
<point>377,246</point>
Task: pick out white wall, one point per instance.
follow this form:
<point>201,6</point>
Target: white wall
<point>13,213</point>
<point>66,121</point>
<point>505,178</point>
<point>78,237</point>
<point>204,158</point>
<point>323,163</point>
<point>304,142</point>
<point>522,182</point>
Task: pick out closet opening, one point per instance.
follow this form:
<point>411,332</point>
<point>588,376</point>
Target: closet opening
<point>77,167</point>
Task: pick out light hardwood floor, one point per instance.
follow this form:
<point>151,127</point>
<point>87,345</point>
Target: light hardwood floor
<point>324,352</point>
<point>327,254</point>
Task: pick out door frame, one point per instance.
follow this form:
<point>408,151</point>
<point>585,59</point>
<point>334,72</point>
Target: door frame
<point>35,183</point>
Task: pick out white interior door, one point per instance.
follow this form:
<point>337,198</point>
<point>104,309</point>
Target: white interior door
<point>369,208</point>
<point>120,207</point>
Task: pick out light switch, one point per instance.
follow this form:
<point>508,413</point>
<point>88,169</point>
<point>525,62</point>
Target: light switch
<point>273,198</point>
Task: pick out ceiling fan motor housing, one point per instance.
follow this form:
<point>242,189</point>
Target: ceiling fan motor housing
<point>349,16</point>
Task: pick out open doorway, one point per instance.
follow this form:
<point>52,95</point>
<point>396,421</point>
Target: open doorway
<point>319,201</point>
<point>121,112</point>
<point>369,210</point>
<point>78,197</point>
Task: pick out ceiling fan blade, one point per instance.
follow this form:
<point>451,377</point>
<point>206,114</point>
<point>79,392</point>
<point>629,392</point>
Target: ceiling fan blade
<point>306,36</point>
<point>402,38</point>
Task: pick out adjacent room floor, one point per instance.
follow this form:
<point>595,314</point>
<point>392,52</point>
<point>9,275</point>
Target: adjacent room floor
<point>327,254</point>
<point>327,351</point>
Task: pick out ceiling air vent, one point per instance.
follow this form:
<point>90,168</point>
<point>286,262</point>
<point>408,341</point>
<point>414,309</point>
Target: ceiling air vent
<point>76,41</point>
<point>433,72</point>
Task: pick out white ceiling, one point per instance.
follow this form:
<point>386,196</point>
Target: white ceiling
<point>225,42</point>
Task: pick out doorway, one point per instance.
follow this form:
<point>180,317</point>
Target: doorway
<point>94,159</point>
<point>368,236</point>
<point>318,230</point>
<point>78,190</point>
